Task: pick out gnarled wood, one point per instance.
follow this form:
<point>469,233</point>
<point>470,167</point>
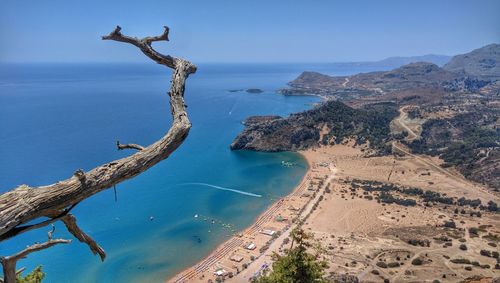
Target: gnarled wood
<point>24,203</point>
<point>56,215</point>
<point>9,262</point>
<point>121,146</point>
<point>70,221</point>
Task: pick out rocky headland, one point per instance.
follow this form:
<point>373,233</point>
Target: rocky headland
<point>454,109</point>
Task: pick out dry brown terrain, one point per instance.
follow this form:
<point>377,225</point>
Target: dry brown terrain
<point>358,233</point>
<point>366,238</point>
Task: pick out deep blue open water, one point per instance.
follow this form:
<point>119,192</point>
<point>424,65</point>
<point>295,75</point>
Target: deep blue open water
<point>56,118</point>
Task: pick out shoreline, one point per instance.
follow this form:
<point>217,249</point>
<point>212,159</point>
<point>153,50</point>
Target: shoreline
<point>356,230</point>
<point>220,257</point>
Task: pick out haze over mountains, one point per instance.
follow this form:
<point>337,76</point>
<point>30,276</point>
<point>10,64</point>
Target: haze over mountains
<point>474,71</point>
<point>483,62</point>
<point>463,93</point>
<point>409,157</point>
<point>397,61</point>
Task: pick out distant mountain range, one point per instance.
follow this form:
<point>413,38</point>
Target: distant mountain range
<point>410,76</point>
<point>397,61</point>
<point>476,71</point>
<point>483,62</point>
<point>457,106</point>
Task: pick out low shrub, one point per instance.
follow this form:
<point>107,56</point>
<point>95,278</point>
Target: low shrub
<point>417,261</point>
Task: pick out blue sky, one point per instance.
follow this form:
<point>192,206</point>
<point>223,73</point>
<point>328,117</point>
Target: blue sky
<point>246,31</point>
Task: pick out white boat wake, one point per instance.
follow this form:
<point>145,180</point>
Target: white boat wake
<point>223,189</point>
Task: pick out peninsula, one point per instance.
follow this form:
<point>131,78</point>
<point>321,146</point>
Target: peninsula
<point>403,181</point>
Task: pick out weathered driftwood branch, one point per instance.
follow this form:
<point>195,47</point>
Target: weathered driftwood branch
<point>150,39</point>
<point>24,204</point>
<point>121,146</point>
<point>9,262</point>
<point>70,223</point>
<point>25,228</point>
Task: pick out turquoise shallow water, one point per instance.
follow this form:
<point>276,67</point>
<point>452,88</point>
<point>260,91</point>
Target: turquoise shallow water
<point>55,119</point>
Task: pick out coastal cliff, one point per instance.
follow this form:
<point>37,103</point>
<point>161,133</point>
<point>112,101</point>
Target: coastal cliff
<point>476,71</point>
<point>453,110</point>
<point>483,62</point>
<point>329,123</point>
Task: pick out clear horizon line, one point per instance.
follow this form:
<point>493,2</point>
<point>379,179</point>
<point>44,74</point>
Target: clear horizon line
<point>218,62</point>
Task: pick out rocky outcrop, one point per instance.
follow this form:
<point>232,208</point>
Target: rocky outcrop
<point>469,141</point>
<point>459,103</point>
<point>307,129</point>
<point>465,84</point>
<point>252,120</point>
<point>411,76</point>
<point>477,71</point>
<point>483,63</point>
<point>254,90</point>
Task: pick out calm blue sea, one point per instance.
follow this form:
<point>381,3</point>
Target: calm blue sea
<point>56,118</point>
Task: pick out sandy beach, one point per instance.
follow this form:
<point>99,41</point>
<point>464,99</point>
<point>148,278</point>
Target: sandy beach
<point>235,256</point>
<point>357,232</point>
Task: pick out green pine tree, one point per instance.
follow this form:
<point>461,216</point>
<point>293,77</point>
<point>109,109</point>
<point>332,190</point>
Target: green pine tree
<point>35,276</point>
<point>296,265</point>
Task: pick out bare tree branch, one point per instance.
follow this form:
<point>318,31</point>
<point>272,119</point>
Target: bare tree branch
<point>121,146</point>
<point>163,36</point>
<point>144,45</point>
<point>70,222</point>
<point>24,204</point>
<point>9,262</point>
<point>56,215</point>
<point>51,232</point>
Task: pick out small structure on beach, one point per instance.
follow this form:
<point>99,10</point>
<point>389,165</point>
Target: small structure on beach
<point>268,232</point>
<point>236,258</point>
<point>220,272</point>
<point>250,246</point>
